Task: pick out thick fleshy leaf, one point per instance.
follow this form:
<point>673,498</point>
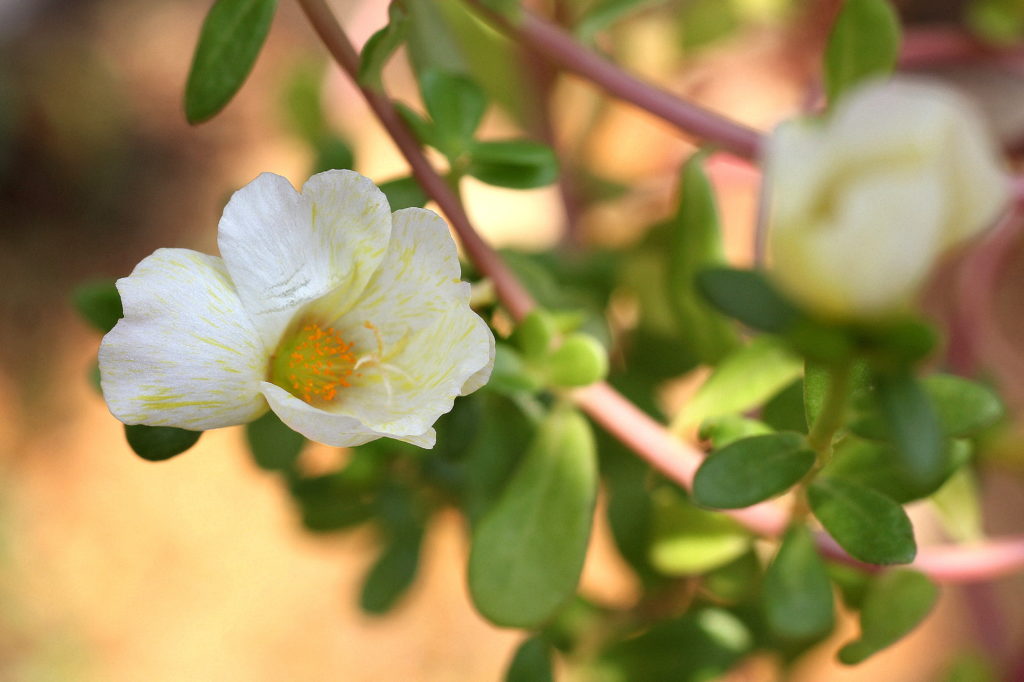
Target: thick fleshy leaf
<point>894,604</point>
<point>285,249</point>
<point>393,572</point>
<point>517,164</point>
<point>751,470</point>
<point>528,549</point>
<point>404,193</point>
<point>531,663</point>
<point>157,443</point>
<point>797,592</point>
<point>274,446</point>
<point>748,297</point>
<point>456,106</point>
<point>185,353</point>
<point>232,36</point>
<point>964,407</point>
<point>913,425</point>
<point>691,541</point>
<point>867,524</point>
<point>864,43</point>
<point>99,303</point>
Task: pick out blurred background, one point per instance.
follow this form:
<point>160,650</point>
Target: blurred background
<point>115,569</point>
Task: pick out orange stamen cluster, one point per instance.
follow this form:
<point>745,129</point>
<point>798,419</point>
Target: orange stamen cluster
<point>319,364</point>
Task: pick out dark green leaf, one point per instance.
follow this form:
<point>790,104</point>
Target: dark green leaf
<point>867,524</point>
<point>393,573</point>
<point>751,470</point>
<point>692,541</point>
<point>864,42</point>
<point>797,592</point>
<point>157,443</point>
<point>852,582</point>
<point>274,446</point>
<point>422,129</point>
<point>334,501</point>
<point>964,407</point>
<point>785,410</point>
<point>878,466</point>
<point>724,430</point>
<point>735,581</point>
<point>332,153</point>
<point>527,551</point>
<point>748,297</point>
<point>517,164</point>
<point>894,604</point>
<point>99,304</point>
<point>997,21</point>
<point>503,437</point>
<point>696,244</point>
<point>913,426</point>
<point>404,193</point>
<point>381,45</point>
<point>604,13</point>
<point>456,106</point>
<point>532,662</point>
<point>229,42</point>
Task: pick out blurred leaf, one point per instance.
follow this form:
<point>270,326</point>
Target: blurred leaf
<point>867,524</point>
<point>502,438</point>
<point>852,582</point>
<point>332,153</point>
<point>157,443</point>
<point>692,541</point>
<point>752,470</point>
<point>707,21</point>
<point>797,592</point>
<point>785,410</point>
<point>913,425</point>
<point>527,552</point>
<point>431,41</point>
<point>274,446</point>
<point>878,466</point>
<point>724,430</point>
<point>604,13</point>
<point>404,193</point>
<point>696,244</point>
<point>510,374</point>
<point>302,103</point>
<point>334,501</point>
<point>422,129</point>
<point>748,297</point>
<point>381,45</point>
<point>99,304</point>
<point>864,42</point>
<point>535,334</point>
<point>959,505</point>
<point>895,603</point>
<point>94,378</point>
<point>963,407</point>
<point>393,572</point>
<point>735,581</point>
<point>743,380</point>
<point>630,505</point>
<point>229,42</point>
<point>997,21</point>
<point>517,164</point>
<point>971,667</point>
<point>456,106</point>
<point>579,361</point>
<point>531,663</point>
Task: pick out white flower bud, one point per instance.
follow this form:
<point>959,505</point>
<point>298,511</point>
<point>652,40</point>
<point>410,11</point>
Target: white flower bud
<point>864,202</point>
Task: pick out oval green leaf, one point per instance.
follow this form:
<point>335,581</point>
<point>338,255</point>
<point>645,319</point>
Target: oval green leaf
<point>516,164</point>
<point>157,443</point>
<point>393,572</point>
<point>528,549</point>
<point>531,663</point>
<point>894,604</point>
<point>748,297</point>
<point>751,470</point>
<point>692,541</point>
<point>964,407</point>
<point>864,42</point>
<point>867,524</point>
<point>456,106</point>
<point>99,303</point>
<point>273,445</point>
<point>231,38</point>
<point>797,591</point>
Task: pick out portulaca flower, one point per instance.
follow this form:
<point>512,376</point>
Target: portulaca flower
<point>350,322</point>
<point>863,203</point>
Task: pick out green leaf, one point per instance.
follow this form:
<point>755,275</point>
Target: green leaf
<point>998,21</point>
<point>404,193</point>
<point>785,410</point>
<point>748,297</point>
<point>894,604</point>
<point>797,592</point>
<point>332,153</point>
<point>157,443</point>
<point>517,164</point>
<point>393,572</point>
<point>959,505</point>
<point>963,407</point>
<point>742,381</point>
<point>274,446</point>
<point>579,361</point>
<point>99,304</point>
<point>527,552</point>
<point>864,42</point>
<point>531,663</point>
<point>867,524</point>
<point>510,374</point>
<point>338,500</point>
<point>852,582</point>
<point>381,45</point>
<point>707,21</point>
<point>535,334</point>
<point>604,13</point>
<point>456,106</point>
<point>722,431</point>
<point>421,129</point>
<point>302,103</point>
<point>503,436</point>
<point>229,42</point>
<point>878,466</point>
<point>913,425</point>
<point>751,470</point>
<point>696,244</point>
<point>692,541</point>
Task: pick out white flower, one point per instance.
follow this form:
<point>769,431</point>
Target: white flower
<point>863,203</point>
<point>349,321</point>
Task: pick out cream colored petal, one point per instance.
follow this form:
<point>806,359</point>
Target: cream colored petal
<point>285,249</point>
<point>329,428</point>
<point>185,354</point>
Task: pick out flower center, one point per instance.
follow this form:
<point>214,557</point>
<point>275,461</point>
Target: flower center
<point>313,363</point>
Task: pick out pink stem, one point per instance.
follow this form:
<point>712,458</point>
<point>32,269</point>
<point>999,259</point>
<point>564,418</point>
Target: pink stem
<point>560,48</point>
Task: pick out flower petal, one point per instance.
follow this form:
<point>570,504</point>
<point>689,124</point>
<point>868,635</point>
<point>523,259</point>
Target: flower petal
<point>185,354</point>
<point>285,249</point>
<point>338,430</point>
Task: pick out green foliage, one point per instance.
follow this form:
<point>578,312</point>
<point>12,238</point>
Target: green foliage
<point>691,541</point>
<point>963,407</point>
<point>382,45</point>
<point>579,361</point>
<point>273,445</point>
<point>878,466</point>
<point>527,551</point>
<point>747,296</point>
<point>997,21</point>
<point>404,193</point>
<point>535,334</point>
<point>332,153</point>
<point>99,304</point>
<point>752,470</point>
<point>704,22</point>
<point>516,164</point>
<point>157,443</point>
<point>797,593</point>
<point>722,431</point>
<point>894,604</point>
<point>396,567</point>
<point>864,42</point>
<point>912,423</point>
<point>456,106</point>
<point>867,524</point>
<point>603,13</point>
<point>232,36</point>
<point>531,663</point>
<point>697,243</point>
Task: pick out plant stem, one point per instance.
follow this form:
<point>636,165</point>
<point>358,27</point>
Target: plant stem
<point>832,414</point>
<point>563,51</point>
